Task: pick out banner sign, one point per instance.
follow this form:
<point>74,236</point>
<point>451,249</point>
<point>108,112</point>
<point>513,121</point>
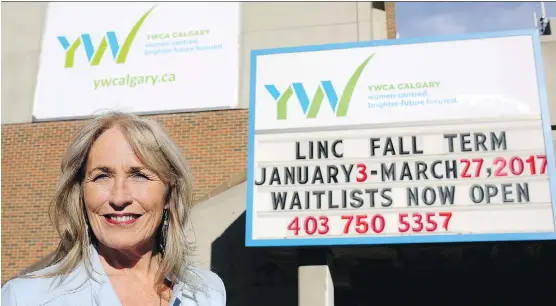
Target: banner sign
<point>400,141</point>
<point>140,57</point>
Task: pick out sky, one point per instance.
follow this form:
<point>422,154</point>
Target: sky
<point>417,19</point>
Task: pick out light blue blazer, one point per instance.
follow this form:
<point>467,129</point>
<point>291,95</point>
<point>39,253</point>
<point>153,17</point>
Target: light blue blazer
<point>79,289</point>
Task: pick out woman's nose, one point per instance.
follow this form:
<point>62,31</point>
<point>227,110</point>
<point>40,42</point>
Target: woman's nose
<point>120,195</point>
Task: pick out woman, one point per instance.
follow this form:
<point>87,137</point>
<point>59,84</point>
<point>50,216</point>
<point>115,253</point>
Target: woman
<point>120,208</point>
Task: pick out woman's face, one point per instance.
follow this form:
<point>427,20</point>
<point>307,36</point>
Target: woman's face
<point>123,199</point>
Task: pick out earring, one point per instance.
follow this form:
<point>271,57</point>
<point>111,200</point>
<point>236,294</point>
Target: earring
<point>164,229</point>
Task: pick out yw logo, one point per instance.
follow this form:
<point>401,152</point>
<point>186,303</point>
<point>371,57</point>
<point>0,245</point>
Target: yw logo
<point>94,57</point>
<point>311,109</point>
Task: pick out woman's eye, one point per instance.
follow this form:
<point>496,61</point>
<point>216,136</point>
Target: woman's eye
<point>140,175</point>
<point>100,176</point>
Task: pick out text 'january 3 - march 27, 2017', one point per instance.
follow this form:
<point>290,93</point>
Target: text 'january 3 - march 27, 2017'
<point>350,144</point>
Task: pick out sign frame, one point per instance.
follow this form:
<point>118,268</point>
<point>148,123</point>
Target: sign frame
<point>377,240</point>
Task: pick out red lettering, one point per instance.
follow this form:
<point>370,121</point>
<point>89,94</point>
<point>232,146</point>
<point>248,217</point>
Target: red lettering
<point>294,226</point>
<point>501,164</point>
<point>420,222</point>
<point>447,216</point>
<point>371,224</point>
<point>467,165</point>
<point>430,221</point>
<point>403,224</point>
<point>347,224</point>
<point>363,223</point>
<point>362,170</point>
<point>378,223</point>
<point>516,165</point>
<point>417,220</point>
<point>543,163</point>
<point>479,162</point>
<point>532,164</point>
<point>464,173</point>
<point>323,228</point>
<point>311,225</point>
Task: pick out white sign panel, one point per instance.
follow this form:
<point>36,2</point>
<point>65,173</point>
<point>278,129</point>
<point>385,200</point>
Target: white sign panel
<point>140,57</point>
<point>439,140</point>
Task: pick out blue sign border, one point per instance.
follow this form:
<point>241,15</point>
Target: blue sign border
<point>551,167</point>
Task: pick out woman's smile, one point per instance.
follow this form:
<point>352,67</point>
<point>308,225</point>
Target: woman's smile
<point>122,219</point>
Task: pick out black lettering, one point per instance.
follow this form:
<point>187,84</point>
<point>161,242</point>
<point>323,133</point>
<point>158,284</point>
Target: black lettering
<point>302,176</point>
<point>434,172</point>
<point>428,196</point>
<point>412,196</point>
<point>389,148</point>
<point>421,170</point>
<point>447,194</point>
<point>406,172</point>
<point>335,150</point>
<point>385,194</point>
<point>452,169</point>
<point>371,193</point>
<point>279,200</point>
<point>480,139</point>
<point>322,151</point>
<point>374,145</point>
<point>506,192</point>
<point>400,146</point>
<point>388,172</point>
<point>332,174</point>
<point>491,192</point>
<point>289,175</point>
<point>499,142</point>
<point>476,194</point>
<point>331,201</point>
<point>347,172</point>
<point>298,151</point>
<point>450,138</point>
<point>318,194</point>
<point>317,176</point>
<point>296,201</point>
<point>414,144</point>
<point>464,141</point>
<point>355,196</point>
<point>344,198</point>
<point>523,192</point>
<point>263,177</point>
<point>275,177</point>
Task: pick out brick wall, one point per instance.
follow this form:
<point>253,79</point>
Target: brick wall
<point>215,143</point>
<point>390,19</point>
